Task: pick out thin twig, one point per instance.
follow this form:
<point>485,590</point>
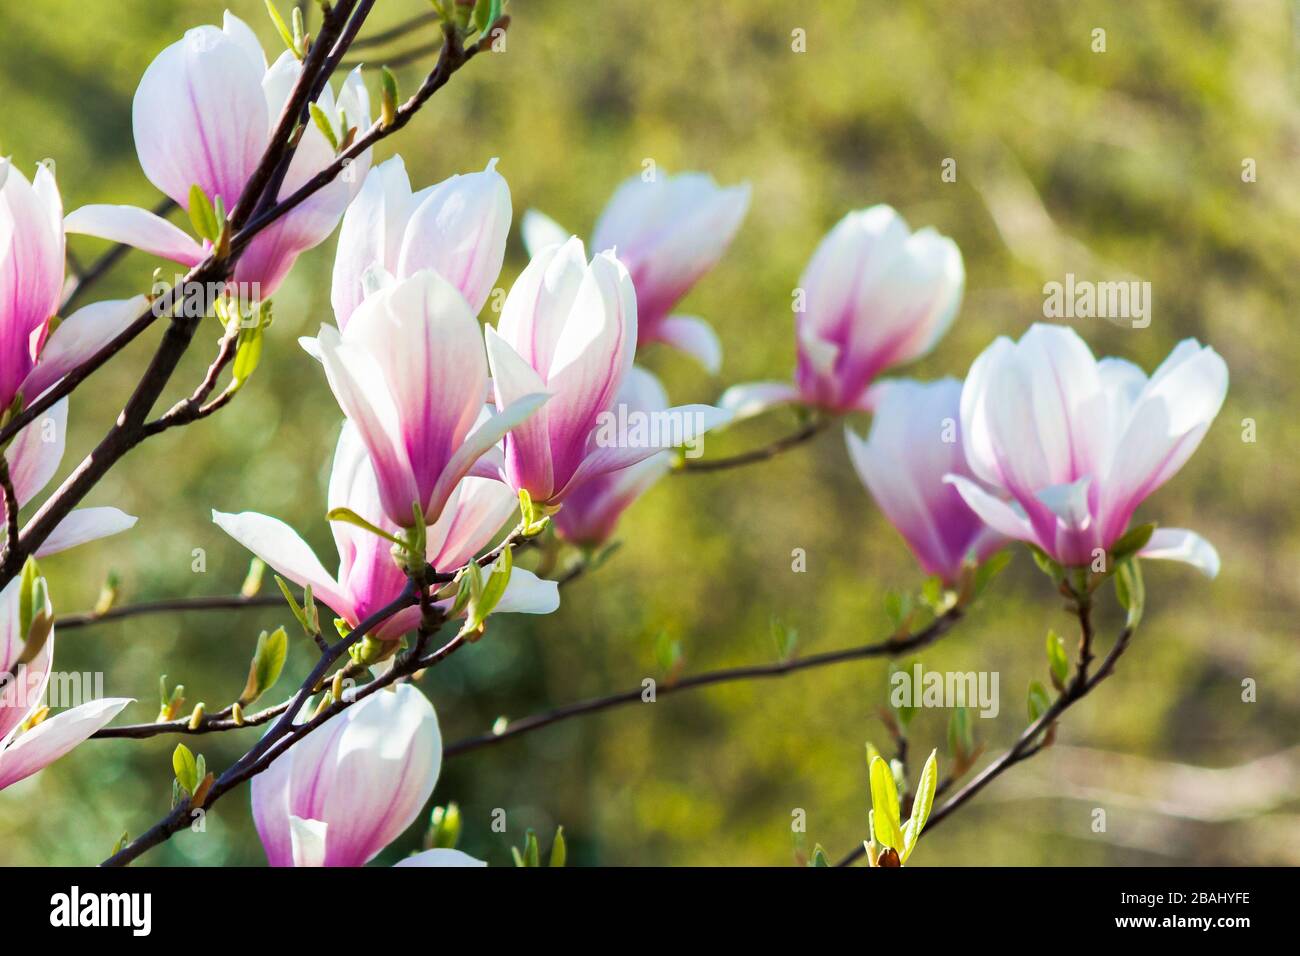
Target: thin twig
<point>251,763</point>
<point>804,434</point>
<point>1033,739</point>
<point>889,648</point>
<point>130,428</point>
<point>223,602</point>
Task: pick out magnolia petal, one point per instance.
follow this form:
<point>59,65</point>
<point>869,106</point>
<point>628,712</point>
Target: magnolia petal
<point>79,337</point>
<point>477,444</point>
<point>286,552</point>
<point>200,117</point>
<point>1179,544</point>
<point>52,738</point>
<point>695,337</point>
<point>526,593</point>
<point>137,228</point>
<point>359,385</point>
<point>83,525</point>
<point>308,841</point>
<point>380,773</point>
<point>994,512</point>
<point>36,451</point>
<point>540,231</point>
<point>754,398</point>
<point>441,857</point>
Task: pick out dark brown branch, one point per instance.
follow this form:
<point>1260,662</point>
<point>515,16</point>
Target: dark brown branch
<point>256,759</point>
<point>11,505</point>
<point>130,428</point>
<point>890,648</point>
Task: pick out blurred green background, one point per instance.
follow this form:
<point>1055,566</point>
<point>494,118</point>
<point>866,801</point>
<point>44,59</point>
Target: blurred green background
<point>1120,164</point>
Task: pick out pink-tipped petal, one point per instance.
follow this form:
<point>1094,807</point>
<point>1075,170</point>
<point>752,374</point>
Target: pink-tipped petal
<point>78,338</point>
<point>137,228</point>
<point>200,117</point>
<point>55,736</point>
<point>286,552</point>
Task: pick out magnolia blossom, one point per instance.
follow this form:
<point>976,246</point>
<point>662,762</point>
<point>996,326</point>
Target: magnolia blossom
<point>668,231</point>
<point>1077,444</point>
<point>591,511</point>
<point>874,296</point>
<point>203,115</point>
<point>32,358</point>
<point>344,792</point>
<point>569,329</point>
<point>24,752</point>
<point>913,444</point>
<point>368,577</point>
<point>410,373</point>
<point>33,458</point>
<point>457,228</point>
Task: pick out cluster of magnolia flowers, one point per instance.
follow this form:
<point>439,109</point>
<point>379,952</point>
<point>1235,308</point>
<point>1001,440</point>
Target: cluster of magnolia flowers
<point>450,423</point>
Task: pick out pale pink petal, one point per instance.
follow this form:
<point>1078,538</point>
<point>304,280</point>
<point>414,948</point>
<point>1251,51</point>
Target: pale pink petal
<point>79,337</point>
<point>695,337</point>
<point>55,736</point>
<point>994,512</point>
<point>371,235</point>
<point>83,525</point>
<point>360,386</point>
<point>472,518</point>
<point>528,453</point>
<point>200,117</point>
<point>308,839</point>
<point>541,231</point>
<point>36,451</point>
<point>1179,544</point>
<point>385,765</point>
<point>459,231</point>
<point>441,857</point>
<point>138,228</point>
<point>754,398</point>
<point>286,552</point>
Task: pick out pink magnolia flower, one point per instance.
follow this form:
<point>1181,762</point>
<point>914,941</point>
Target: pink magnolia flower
<point>368,578</point>
<point>668,231</point>
<point>203,114</point>
<point>32,358</point>
<point>914,443</point>
<point>1077,444</point>
<point>24,752</point>
<point>874,296</point>
<point>33,458</point>
<point>344,792</point>
<point>569,329</point>
<point>591,511</point>
<point>457,228</point>
<point>410,373</point>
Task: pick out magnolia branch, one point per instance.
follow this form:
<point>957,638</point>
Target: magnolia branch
<point>131,426</point>
<point>809,431</point>
<point>892,647</point>
<point>1034,737</point>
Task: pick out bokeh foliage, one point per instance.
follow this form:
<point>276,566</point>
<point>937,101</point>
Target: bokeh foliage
<point>1118,164</point>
